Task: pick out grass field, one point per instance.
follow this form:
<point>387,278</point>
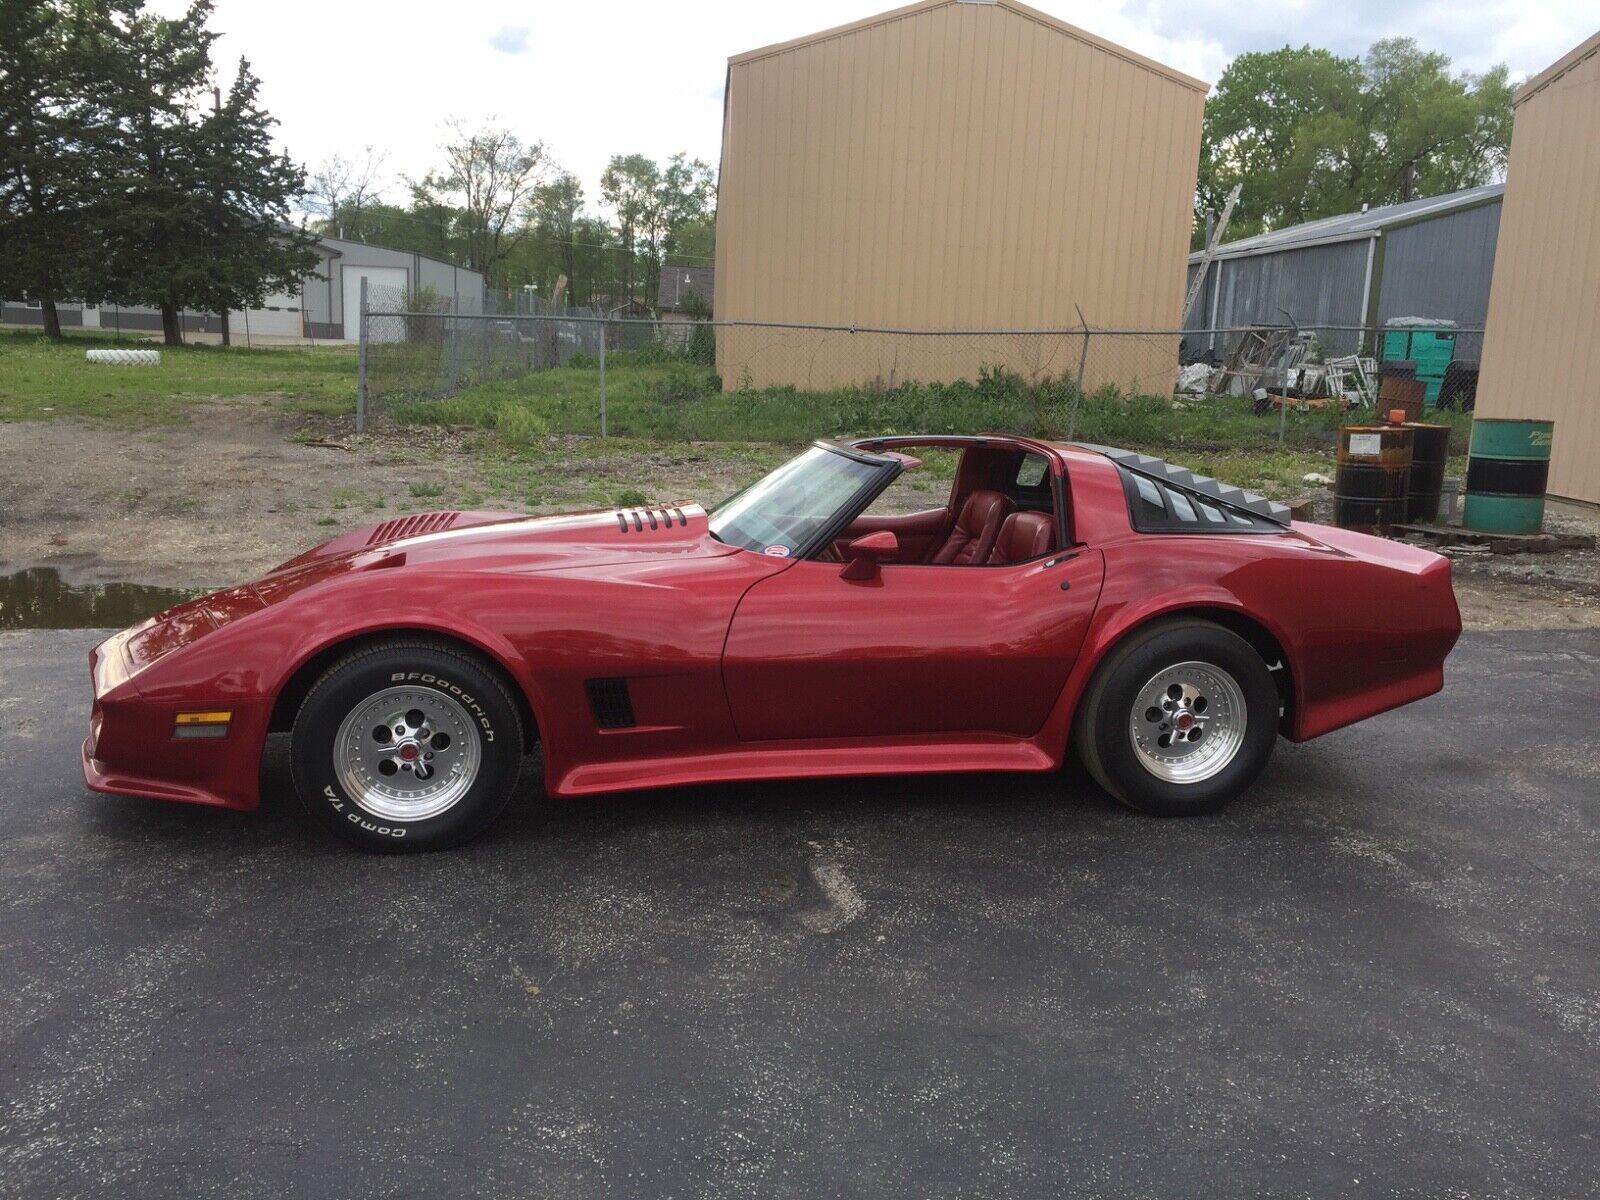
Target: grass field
<point>678,402</point>
<point>654,405</point>
<point>40,379</point>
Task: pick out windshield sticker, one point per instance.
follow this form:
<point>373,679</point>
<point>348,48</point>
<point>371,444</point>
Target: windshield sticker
<point>776,551</point>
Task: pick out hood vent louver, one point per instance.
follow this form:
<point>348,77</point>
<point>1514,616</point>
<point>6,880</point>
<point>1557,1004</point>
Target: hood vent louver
<point>661,516</point>
<point>413,526</point>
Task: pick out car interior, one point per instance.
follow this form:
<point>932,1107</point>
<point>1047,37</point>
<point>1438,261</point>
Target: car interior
<point>1001,510</point>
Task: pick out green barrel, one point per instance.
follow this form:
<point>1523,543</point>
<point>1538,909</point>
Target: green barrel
<point>1508,466</point>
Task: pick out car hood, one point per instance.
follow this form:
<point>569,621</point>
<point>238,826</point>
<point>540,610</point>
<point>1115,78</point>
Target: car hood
<point>506,541</point>
<point>475,541</point>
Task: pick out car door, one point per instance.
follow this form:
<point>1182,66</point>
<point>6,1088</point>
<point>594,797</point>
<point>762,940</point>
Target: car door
<point>914,650</point>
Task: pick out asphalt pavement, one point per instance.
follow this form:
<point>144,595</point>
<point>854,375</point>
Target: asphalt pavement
<point>1378,974</point>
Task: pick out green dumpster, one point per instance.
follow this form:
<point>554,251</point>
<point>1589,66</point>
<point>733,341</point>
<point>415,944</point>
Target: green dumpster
<point>1431,347</point>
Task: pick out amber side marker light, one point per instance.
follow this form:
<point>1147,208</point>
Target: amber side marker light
<point>201,724</point>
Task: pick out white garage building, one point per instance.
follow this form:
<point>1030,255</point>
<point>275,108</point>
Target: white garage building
<point>317,309</point>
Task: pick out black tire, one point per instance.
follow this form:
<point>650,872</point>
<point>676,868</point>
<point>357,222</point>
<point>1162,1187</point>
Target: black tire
<point>444,679</point>
<point>1102,733</point>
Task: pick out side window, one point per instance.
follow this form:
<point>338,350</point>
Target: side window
<point>925,487</point>
<point>1032,472</point>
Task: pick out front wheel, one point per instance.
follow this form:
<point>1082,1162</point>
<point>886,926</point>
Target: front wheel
<point>406,746</point>
<point>1179,719</point>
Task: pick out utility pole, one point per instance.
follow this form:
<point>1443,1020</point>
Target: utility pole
<point>216,109</point>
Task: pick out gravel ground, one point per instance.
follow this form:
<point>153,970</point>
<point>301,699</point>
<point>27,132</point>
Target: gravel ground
<point>243,485</point>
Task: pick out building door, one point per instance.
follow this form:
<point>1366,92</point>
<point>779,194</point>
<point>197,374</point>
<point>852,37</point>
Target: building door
<point>278,316</point>
<point>391,281</point>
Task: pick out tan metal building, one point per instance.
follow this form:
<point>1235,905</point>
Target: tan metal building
<point>1544,305</point>
<point>954,164</point>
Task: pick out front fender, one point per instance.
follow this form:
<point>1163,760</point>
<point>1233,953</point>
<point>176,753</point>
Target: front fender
<point>245,665</point>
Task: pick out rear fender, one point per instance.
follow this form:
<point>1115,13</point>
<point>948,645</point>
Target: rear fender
<point>1116,619</point>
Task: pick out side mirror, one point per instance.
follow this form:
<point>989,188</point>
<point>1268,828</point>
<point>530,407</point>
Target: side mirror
<point>866,552</point>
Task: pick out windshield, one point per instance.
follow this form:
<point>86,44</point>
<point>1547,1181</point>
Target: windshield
<point>781,513</point>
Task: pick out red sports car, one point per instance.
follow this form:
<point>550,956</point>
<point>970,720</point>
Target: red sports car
<point>1167,626</point>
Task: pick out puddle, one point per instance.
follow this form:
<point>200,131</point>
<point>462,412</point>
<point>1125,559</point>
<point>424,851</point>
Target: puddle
<point>39,598</point>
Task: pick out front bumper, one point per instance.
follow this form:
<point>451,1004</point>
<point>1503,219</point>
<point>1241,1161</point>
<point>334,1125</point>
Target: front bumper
<point>101,778</point>
<point>131,750</point>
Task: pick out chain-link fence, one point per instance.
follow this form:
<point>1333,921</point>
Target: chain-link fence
<point>581,371</point>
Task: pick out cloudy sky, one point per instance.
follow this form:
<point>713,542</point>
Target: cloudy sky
<point>596,78</point>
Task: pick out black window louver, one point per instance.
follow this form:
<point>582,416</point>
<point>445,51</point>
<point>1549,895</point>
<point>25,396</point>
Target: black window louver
<point>611,704</point>
<point>1163,498</point>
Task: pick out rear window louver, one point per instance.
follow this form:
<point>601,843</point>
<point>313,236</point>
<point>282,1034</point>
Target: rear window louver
<point>412,526</point>
<point>637,520</point>
<point>1173,482</point>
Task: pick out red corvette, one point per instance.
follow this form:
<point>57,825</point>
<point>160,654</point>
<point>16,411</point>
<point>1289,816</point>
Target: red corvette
<point>1167,626</point>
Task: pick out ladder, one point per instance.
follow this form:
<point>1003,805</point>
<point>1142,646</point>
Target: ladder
<point>1210,253</point>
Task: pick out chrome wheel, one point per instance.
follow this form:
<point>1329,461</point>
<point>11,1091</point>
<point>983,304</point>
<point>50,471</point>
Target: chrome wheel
<point>407,754</point>
<point>1188,722</point>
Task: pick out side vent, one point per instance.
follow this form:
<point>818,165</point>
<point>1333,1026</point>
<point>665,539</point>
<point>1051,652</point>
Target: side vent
<point>412,526</point>
<point>637,520</point>
<point>612,706</point>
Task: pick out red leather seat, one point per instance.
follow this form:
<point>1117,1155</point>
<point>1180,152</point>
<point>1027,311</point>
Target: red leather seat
<point>976,530</point>
<point>1024,535</point>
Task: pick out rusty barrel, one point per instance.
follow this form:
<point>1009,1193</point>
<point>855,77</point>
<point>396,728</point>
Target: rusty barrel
<point>1373,477</point>
<point>1430,450</point>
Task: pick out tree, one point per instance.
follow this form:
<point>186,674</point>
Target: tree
<point>630,185</point>
<point>50,139</point>
<point>554,215</point>
<point>489,176</point>
<point>198,204</point>
<point>1310,134</point>
<point>342,190</point>
<point>653,206</point>
<point>244,196</point>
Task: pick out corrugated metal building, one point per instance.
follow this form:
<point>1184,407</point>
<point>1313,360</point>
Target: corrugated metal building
<point>316,309</point>
<point>678,283</point>
<point>1544,314</point>
<point>1424,258</point>
<point>950,165</point>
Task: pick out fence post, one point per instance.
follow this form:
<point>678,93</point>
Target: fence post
<point>361,362</point>
<point>603,379</point>
<point>1077,390</point>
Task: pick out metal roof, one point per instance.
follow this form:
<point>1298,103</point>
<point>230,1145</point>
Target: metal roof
<point>1015,6</point>
<point>1357,225</point>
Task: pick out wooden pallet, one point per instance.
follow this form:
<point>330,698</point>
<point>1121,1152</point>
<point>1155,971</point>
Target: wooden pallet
<point>1499,543</point>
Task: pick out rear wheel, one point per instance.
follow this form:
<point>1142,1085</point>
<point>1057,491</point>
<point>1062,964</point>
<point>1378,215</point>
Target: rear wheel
<point>406,746</point>
<point>1179,719</point>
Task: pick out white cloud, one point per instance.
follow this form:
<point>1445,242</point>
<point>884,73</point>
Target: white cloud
<point>510,39</point>
<point>618,76</point>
